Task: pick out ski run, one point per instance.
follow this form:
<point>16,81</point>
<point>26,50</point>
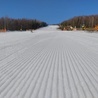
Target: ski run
<point>49,63</point>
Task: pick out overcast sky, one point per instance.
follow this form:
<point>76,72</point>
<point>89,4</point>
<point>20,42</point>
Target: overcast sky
<point>50,11</point>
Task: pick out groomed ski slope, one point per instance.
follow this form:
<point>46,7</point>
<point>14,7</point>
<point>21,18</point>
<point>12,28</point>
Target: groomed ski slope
<point>49,63</point>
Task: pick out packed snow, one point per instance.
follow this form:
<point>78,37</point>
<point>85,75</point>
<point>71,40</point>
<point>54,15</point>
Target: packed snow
<point>49,63</point>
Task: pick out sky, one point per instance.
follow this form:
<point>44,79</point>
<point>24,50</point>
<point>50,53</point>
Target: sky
<point>49,11</point>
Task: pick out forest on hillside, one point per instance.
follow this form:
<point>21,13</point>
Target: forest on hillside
<point>20,24</point>
<point>88,21</point>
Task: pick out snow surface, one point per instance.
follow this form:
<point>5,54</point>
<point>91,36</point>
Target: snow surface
<point>49,63</point>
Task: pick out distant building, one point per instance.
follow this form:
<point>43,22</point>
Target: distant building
<point>2,30</point>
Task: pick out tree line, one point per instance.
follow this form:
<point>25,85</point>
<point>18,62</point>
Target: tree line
<point>20,24</point>
<point>88,21</point>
